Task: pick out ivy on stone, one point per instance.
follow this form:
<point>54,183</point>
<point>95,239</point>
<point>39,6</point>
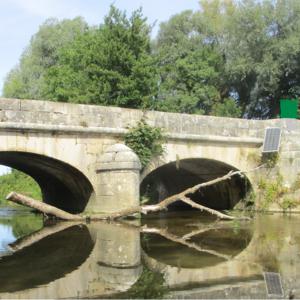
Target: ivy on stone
<point>145,140</point>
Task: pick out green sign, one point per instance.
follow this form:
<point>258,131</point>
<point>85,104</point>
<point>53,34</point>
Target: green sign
<point>289,108</point>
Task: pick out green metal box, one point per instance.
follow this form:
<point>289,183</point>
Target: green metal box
<point>289,108</point>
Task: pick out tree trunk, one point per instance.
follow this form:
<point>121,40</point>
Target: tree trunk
<point>42,207</point>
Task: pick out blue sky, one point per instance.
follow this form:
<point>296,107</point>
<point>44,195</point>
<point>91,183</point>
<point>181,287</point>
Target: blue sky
<point>20,19</point>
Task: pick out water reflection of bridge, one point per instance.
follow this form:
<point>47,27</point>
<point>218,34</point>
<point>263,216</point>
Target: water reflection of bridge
<point>111,263</point>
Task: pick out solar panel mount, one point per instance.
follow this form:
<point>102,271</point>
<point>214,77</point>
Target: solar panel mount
<point>272,140</point>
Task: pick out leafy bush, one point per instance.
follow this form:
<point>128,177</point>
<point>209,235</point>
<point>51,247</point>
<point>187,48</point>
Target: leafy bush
<point>270,191</point>
<point>145,140</point>
<point>288,203</point>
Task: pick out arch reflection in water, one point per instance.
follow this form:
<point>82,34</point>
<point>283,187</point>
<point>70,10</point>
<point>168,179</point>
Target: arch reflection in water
<point>195,241</point>
<point>48,259</point>
<point>84,260</point>
<point>212,254</point>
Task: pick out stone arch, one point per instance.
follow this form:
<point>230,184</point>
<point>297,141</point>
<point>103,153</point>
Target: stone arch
<point>62,185</point>
<point>176,176</point>
<point>236,156</point>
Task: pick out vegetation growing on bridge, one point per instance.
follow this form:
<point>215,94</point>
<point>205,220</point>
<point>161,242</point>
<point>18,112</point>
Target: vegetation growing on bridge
<point>272,191</point>
<point>229,58</point>
<point>145,141</point>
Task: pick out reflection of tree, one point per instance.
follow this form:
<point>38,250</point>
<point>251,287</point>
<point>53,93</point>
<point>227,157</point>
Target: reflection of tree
<point>183,241</point>
<point>201,230</point>
<point>23,224</point>
<point>36,236</point>
<point>46,259</point>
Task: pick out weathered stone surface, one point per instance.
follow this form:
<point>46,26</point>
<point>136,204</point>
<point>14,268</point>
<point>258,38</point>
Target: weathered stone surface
<point>118,174</point>
<point>10,104</point>
<point>82,136</point>
<point>119,157</point>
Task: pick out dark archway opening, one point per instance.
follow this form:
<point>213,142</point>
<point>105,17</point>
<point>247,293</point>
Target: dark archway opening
<point>61,184</point>
<point>175,177</point>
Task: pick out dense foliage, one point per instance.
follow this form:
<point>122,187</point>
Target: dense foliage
<point>229,58</point>
<point>18,182</point>
<point>109,65</point>
<point>145,141</point>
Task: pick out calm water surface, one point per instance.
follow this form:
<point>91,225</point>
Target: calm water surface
<point>178,256</point>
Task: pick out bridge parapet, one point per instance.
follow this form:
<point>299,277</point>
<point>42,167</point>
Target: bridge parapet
<point>43,115</point>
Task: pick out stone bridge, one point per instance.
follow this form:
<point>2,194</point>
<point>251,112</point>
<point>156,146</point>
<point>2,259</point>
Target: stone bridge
<point>70,150</point>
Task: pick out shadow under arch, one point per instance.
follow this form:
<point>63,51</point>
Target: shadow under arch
<point>61,184</point>
<point>174,177</point>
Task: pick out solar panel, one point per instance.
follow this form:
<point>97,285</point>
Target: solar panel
<point>272,139</point>
<point>273,284</point>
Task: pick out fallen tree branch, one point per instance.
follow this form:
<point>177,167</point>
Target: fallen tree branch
<point>179,197</point>
<point>42,207</point>
<point>51,210</point>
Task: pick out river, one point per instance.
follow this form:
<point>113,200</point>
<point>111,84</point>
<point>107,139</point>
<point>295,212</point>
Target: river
<point>186,255</point>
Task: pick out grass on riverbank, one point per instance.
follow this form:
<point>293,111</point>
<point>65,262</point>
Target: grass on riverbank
<point>18,182</point>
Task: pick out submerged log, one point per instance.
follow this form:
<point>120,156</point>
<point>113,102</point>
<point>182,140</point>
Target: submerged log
<point>42,207</point>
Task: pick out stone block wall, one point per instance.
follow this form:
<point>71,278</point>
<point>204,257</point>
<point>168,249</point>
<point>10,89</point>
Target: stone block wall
<point>79,134</point>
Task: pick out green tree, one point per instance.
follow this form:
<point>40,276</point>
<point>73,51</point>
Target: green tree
<point>251,55</point>
<point>262,47</point>
<point>229,58</point>
<point>27,79</point>
<point>18,182</point>
<point>109,65</point>
<point>190,66</point>
<point>227,108</point>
